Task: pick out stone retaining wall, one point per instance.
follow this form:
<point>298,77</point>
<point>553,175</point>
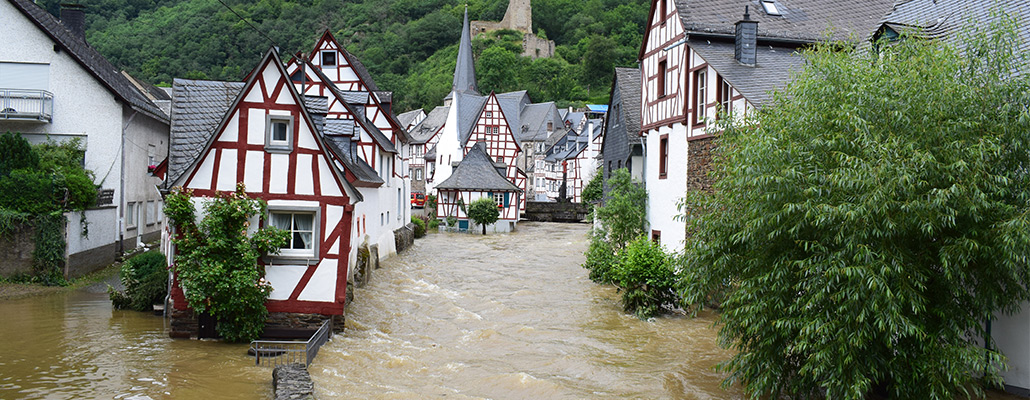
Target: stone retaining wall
<point>555,211</point>
<point>292,382</point>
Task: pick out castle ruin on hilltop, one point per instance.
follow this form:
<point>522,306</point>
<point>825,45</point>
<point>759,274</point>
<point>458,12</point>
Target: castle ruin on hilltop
<point>519,17</point>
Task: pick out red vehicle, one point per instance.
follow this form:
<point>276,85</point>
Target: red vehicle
<point>418,200</point>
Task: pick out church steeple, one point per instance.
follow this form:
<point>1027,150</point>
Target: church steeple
<point>465,69</point>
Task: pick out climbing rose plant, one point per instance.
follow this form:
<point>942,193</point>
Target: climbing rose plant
<point>216,260</point>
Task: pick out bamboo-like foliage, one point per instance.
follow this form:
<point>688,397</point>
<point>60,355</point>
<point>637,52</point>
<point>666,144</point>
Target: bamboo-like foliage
<point>867,225</point>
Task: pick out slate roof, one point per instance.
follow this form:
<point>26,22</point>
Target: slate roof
<point>422,132</point>
<point>465,68</point>
<point>628,81</point>
<point>477,172</point>
<point>801,20</point>
<point>756,83</point>
<point>341,146</point>
<point>406,118</point>
<point>90,59</point>
<point>368,126</point>
<point>469,108</point>
<point>944,19</point>
<point>535,118</point>
<point>359,68</point>
<point>197,109</point>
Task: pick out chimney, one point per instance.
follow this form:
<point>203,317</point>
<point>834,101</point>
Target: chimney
<point>745,44</point>
<point>73,16</point>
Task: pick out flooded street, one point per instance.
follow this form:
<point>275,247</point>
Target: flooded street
<point>75,346</point>
<point>510,316</point>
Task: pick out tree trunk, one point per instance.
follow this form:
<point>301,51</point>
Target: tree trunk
<point>484,229</point>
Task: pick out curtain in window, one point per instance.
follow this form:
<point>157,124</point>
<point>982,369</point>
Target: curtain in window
<point>303,224</point>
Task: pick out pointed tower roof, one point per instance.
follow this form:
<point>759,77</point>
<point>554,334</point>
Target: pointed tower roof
<point>465,69</point>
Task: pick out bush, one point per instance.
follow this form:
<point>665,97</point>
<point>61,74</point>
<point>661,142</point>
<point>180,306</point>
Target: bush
<point>601,258</point>
<point>433,225</point>
<point>16,153</point>
<point>623,215</point>
<point>146,282</point>
<point>420,226</point>
<point>646,277</point>
<point>431,206</point>
<point>29,191</point>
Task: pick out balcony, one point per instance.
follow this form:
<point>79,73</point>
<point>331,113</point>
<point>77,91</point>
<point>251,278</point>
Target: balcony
<point>26,105</point>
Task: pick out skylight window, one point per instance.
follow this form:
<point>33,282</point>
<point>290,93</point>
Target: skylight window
<point>770,8</point>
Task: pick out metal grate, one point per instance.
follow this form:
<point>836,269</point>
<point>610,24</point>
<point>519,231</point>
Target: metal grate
<point>276,352</point>
<point>18,104</point>
<point>105,197</point>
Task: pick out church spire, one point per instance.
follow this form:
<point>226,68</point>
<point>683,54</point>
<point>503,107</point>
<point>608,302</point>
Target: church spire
<point>465,69</point>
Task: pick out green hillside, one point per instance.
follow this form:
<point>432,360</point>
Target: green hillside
<point>408,45</point>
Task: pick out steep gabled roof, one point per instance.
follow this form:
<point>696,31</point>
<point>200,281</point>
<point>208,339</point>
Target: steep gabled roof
<point>756,83</point>
<point>469,108</point>
<point>364,174</point>
<point>628,81</point>
<point>355,103</point>
<point>90,59</point>
<point>477,172</point>
<point>197,108</point>
<point>803,20</point>
<point>406,118</point>
<point>356,65</point>
<point>429,126</point>
<point>465,68</point>
<point>534,121</point>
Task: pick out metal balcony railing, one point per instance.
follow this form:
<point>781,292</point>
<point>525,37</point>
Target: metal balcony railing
<point>26,105</point>
<point>276,352</point>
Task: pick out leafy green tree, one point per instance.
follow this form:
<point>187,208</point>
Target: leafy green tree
<point>500,70</point>
<point>216,260</point>
<point>16,153</point>
<point>623,215</point>
<point>483,212</point>
<point>594,189</point>
<point>870,222</point>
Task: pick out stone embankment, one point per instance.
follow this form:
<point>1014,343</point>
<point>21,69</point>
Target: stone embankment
<point>292,382</point>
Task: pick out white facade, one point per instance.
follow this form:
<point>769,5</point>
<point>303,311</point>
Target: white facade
<point>120,142</point>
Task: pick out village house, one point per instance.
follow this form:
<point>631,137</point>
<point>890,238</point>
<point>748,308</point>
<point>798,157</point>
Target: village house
<point>476,177</point>
<point>54,86</point>
<point>329,162</point>
<point>517,128</point>
<point>622,145</point>
<point>695,63</point>
<point>572,161</point>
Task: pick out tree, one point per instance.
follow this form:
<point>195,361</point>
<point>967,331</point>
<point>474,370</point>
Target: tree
<point>216,260</point>
<point>594,189</point>
<point>870,221</point>
<point>623,215</point>
<point>483,212</point>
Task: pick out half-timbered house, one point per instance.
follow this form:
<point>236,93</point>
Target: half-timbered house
<point>262,133</point>
<point>621,147</point>
<point>694,63</point>
<point>479,176</point>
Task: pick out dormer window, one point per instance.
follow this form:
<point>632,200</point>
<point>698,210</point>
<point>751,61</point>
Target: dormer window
<point>328,58</point>
<point>279,133</point>
<point>770,7</point>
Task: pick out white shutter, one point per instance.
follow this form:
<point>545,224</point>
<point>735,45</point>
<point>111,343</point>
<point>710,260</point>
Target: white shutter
<point>24,76</point>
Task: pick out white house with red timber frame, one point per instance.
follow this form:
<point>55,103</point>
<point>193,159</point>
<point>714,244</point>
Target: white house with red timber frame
<point>694,63</point>
<point>267,139</point>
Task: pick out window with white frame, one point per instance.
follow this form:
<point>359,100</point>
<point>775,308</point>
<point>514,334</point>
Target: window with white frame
<point>724,95</point>
<point>499,199</point>
<point>700,95</point>
<point>278,132</point>
<point>301,227</point>
<point>328,58</point>
<point>130,215</point>
<point>150,216</point>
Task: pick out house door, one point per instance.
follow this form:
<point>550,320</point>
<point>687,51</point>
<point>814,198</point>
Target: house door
<point>206,326</point>
<point>463,225</point>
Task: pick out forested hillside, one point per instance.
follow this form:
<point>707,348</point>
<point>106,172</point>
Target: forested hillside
<point>409,46</point>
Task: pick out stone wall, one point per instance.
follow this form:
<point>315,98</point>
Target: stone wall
<point>536,47</point>
<point>16,250</point>
<point>183,323</point>
<point>699,164</point>
<point>555,211</point>
<point>404,237</point>
<point>292,382</point>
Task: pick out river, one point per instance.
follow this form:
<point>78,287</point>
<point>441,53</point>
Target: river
<point>457,316</point>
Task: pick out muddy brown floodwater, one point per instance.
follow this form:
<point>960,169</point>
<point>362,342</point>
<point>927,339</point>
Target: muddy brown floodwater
<point>510,316</point>
<point>457,316</point>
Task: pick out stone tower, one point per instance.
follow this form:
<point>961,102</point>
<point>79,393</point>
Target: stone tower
<point>519,17</point>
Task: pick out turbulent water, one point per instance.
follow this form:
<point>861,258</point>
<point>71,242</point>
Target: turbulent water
<point>456,317</point>
<point>510,316</point>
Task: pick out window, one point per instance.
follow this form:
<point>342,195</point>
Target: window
<point>662,5</point>
<point>500,159</point>
<point>620,164</point>
<point>499,199</point>
<point>301,226</point>
<point>550,126</point>
<point>700,99</point>
<point>24,76</point>
<point>158,215</point>
<point>656,236</point>
<point>150,215</point>
<point>417,172</point>
<point>724,95</point>
<point>661,78</point>
<point>279,133</point>
<point>130,215</point>
<point>489,114</point>
<point>151,155</point>
<point>663,157</point>
<point>610,170</point>
<point>770,7</point>
<point>328,58</point>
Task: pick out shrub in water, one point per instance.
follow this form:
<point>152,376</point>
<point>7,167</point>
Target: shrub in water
<point>420,226</point>
<point>601,258</point>
<point>646,277</point>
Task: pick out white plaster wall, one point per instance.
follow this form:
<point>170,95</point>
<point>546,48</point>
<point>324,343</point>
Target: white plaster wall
<point>377,201</point>
<point>663,194</point>
<point>447,148</point>
<point>140,186</point>
<point>101,231</point>
<point>1012,336</point>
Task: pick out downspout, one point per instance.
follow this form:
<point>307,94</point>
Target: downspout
<point>121,187</point>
